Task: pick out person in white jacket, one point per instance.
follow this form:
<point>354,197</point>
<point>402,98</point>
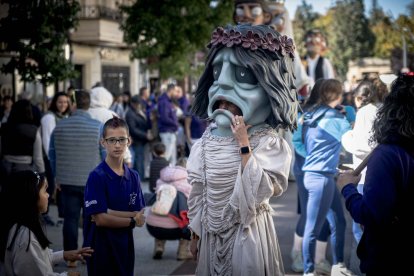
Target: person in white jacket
<point>24,247</point>
<point>369,95</point>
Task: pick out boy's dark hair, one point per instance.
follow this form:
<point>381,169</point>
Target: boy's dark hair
<point>82,99</point>
<point>159,149</point>
<point>18,199</point>
<point>115,122</point>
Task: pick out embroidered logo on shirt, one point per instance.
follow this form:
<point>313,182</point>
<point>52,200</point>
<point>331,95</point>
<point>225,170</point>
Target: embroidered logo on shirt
<point>132,198</point>
<point>89,203</point>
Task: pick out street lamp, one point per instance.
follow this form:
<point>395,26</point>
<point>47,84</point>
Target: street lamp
<point>404,69</point>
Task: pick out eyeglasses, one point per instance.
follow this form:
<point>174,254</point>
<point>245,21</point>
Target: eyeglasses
<point>121,140</point>
<point>254,11</point>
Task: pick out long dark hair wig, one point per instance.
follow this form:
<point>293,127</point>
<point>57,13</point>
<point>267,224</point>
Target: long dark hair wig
<point>273,71</point>
<point>395,118</point>
<point>19,205</point>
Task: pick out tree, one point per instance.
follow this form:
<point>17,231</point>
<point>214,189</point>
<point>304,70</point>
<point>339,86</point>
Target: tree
<point>36,32</point>
<point>304,21</point>
<point>172,31</point>
<point>353,38</point>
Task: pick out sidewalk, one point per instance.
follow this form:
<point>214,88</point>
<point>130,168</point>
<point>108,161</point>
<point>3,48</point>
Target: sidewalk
<point>285,219</point>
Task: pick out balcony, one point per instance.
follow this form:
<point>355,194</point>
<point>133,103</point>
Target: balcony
<point>99,25</point>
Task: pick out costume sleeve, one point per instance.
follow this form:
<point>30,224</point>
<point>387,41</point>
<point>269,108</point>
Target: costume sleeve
<point>376,204</point>
<point>48,123</point>
<point>265,175</point>
<point>95,195</point>
<point>38,154</point>
<point>195,178</point>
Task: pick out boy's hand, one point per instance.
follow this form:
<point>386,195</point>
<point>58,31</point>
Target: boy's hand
<point>140,218</point>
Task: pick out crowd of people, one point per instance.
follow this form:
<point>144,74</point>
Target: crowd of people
<point>260,117</point>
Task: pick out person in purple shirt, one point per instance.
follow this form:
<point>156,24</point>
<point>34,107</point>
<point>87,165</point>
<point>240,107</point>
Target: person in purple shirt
<point>168,122</point>
<point>385,209</point>
<point>114,205</point>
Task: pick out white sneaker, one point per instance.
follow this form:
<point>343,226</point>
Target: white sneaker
<point>309,274</point>
<point>323,267</point>
<point>297,261</point>
<point>341,270</point>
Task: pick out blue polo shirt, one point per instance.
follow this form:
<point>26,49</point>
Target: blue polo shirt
<point>113,247</point>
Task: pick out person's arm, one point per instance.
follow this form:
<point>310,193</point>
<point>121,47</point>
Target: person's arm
<point>121,214</point>
<point>187,129</point>
<point>33,261</point>
<point>114,221</point>
<point>38,162</point>
<point>377,203</point>
<point>239,129</point>
<point>48,123</point>
<point>167,117</point>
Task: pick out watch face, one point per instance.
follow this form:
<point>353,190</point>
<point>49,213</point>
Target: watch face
<point>244,150</point>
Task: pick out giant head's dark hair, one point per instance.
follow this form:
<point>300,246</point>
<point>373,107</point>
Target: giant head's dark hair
<point>371,91</point>
<point>19,205</point>
<point>273,71</point>
<point>53,105</point>
<point>115,122</point>
<point>395,118</point>
<point>21,113</point>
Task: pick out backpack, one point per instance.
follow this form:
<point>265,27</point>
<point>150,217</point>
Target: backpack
<point>166,195</point>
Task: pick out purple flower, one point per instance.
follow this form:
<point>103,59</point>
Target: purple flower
<point>287,46</point>
<point>270,42</point>
<point>251,41</point>
<point>217,36</point>
<point>233,39</point>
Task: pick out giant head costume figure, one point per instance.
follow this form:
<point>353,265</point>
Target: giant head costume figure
<point>315,43</point>
<point>248,73</point>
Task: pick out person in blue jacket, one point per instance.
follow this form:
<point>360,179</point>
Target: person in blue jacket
<point>322,129</point>
<point>385,208</point>
<point>114,205</point>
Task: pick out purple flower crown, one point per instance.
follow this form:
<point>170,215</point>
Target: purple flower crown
<point>253,41</point>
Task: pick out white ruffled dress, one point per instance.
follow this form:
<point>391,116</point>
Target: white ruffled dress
<point>229,208</point>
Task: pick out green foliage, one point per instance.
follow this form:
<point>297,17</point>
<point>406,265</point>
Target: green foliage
<point>352,38</point>
<point>36,32</point>
<point>172,31</point>
<point>304,21</point>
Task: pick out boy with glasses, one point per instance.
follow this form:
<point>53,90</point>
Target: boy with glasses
<point>114,205</point>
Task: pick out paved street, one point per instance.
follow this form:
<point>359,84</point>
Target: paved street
<point>285,219</point>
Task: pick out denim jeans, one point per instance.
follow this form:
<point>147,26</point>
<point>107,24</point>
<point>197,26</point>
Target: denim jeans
<point>356,227</point>
<point>139,160</point>
<point>323,203</point>
<point>169,139</point>
<point>72,200</point>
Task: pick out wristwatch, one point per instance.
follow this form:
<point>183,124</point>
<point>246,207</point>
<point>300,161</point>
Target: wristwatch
<point>132,223</point>
<point>245,150</point>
